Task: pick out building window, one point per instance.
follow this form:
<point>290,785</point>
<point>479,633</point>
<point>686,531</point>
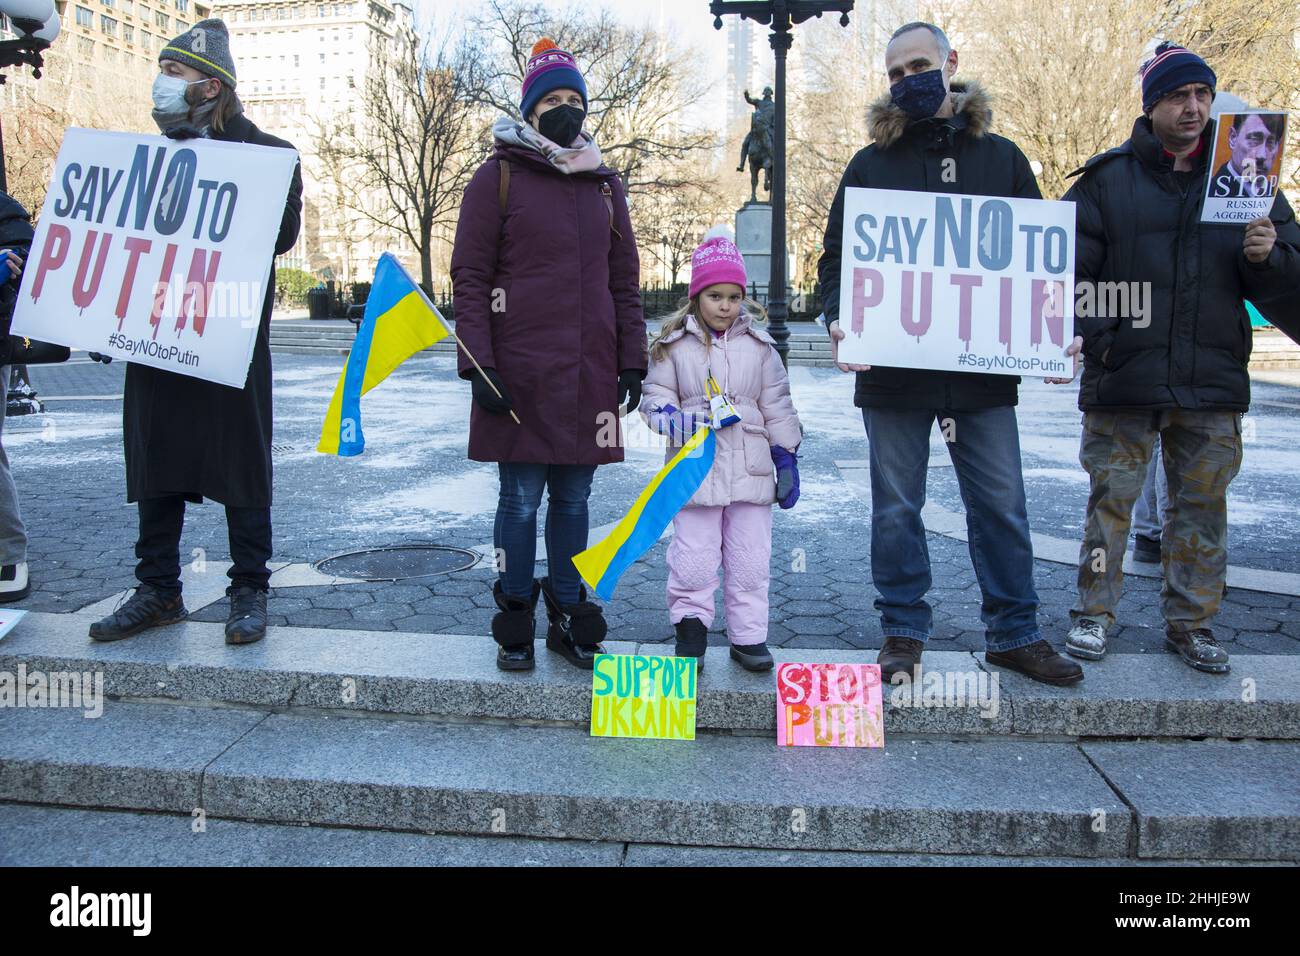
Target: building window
<point>107,3</point>
<point>146,41</point>
<point>128,33</point>
<point>86,47</point>
<point>183,5</point>
<point>320,11</point>
<point>86,18</point>
<point>181,25</point>
<point>108,25</point>
<point>295,59</point>
<point>161,20</point>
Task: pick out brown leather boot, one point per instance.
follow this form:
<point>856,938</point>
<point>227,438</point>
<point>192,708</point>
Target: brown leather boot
<point>899,655</point>
<point>1039,662</point>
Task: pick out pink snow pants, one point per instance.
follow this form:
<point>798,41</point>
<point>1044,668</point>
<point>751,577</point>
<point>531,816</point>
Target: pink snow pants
<point>739,536</point>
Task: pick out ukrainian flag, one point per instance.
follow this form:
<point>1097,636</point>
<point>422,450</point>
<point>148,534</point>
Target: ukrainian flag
<point>604,563</point>
<point>399,322</point>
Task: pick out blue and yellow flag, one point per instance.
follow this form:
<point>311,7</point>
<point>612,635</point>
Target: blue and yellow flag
<point>604,563</point>
<point>399,322</point>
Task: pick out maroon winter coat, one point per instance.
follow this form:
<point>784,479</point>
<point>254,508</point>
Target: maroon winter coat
<point>568,318</point>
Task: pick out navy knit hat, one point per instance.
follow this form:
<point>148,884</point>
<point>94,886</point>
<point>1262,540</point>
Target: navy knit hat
<point>549,68</point>
<point>1172,66</point>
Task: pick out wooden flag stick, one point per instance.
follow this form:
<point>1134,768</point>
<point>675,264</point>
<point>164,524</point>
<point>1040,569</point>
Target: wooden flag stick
<point>446,325</point>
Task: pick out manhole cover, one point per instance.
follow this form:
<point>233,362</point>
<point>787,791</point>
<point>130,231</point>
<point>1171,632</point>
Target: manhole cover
<point>399,562</point>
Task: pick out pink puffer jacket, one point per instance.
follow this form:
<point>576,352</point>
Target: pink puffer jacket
<point>746,364</point>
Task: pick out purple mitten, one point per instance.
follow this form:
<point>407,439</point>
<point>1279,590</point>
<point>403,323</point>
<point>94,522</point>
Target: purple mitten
<point>787,476</point>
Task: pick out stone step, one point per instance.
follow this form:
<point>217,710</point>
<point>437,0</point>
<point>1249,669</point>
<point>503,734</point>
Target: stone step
<point>65,836</point>
<point>455,677</point>
<point>1206,800</point>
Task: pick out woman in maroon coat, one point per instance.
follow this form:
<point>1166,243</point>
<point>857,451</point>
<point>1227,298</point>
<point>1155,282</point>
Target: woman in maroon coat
<point>547,299</point>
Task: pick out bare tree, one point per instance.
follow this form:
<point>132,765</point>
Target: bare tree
<point>338,172</point>
<point>637,84</point>
<point>418,140</point>
<point>670,222</point>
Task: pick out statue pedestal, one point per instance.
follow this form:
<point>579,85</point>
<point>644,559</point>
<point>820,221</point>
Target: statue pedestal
<point>754,240</point>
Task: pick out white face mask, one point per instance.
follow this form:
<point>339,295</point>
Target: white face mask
<point>169,93</point>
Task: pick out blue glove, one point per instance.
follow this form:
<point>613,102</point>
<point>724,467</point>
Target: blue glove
<point>670,421</point>
<point>787,476</point>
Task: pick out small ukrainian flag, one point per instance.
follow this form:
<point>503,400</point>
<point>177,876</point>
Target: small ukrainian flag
<point>603,563</point>
<point>399,321</point>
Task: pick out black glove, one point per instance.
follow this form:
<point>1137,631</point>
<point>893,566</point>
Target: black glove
<point>486,398</point>
<point>184,132</point>
<point>629,387</point>
<point>97,357</point>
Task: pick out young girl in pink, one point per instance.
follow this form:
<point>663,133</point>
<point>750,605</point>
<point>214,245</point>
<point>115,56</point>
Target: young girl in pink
<point>712,342</point>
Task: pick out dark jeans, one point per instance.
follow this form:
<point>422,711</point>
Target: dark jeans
<point>515,533</point>
<point>158,549</point>
<point>985,452</point>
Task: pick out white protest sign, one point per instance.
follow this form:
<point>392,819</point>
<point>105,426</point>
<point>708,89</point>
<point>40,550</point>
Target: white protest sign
<point>1245,168</point>
<point>957,283</point>
<point>156,250</point>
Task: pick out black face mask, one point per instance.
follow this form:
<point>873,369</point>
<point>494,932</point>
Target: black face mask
<point>561,124</point>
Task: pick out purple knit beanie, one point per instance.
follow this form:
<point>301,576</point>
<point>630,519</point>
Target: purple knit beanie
<point>549,68</point>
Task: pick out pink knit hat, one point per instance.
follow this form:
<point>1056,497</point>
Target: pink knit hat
<point>716,260</point>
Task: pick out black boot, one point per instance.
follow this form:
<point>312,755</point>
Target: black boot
<point>247,621</point>
<point>147,607</point>
<point>512,629</point>
<point>692,639</point>
<point>752,657</point>
<point>575,630</point>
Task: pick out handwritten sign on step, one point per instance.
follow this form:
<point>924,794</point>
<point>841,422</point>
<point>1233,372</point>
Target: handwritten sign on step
<point>829,705</point>
<point>643,696</point>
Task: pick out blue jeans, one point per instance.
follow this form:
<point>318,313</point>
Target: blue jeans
<point>515,532</point>
<point>985,452</point>
<point>1151,505</point>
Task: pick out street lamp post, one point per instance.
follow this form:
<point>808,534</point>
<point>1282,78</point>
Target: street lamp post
<point>781,15</point>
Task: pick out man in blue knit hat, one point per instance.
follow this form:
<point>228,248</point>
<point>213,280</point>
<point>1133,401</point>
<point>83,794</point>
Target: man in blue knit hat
<point>1177,370</point>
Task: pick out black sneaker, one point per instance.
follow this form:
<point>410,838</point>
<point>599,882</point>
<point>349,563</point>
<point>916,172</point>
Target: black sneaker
<point>1038,661</point>
<point>692,639</point>
<point>14,582</point>
<point>752,657</point>
<point>247,621</point>
<point>1199,649</point>
<point>147,607</point>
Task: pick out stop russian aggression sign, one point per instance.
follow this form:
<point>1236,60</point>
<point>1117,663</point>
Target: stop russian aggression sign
<point>957,283</point>
<point>156,250</point>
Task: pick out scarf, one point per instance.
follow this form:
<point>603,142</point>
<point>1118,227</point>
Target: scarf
<point>582,156</point>
<point>197,120</point>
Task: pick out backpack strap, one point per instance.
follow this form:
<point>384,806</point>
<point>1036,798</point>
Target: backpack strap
<point>503,189</point>
<point>608,195</point>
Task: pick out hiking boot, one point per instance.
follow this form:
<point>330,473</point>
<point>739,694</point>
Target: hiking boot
<point>1038,661</point>
<point>512,629</point>
<point>1199,649</point>
<point>692,639</point>
<point>147,607</point>
<point>247,621</point>
<point>752,657</point>
<point>575,630</point>
<point>1087,639</point>
<point>1146,550</point>
<point>14,582</point>
<point>899,655</point>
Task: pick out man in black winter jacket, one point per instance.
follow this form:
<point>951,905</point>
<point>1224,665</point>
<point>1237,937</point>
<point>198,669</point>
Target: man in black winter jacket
<point>1178,370</point>
<point>932,135</point>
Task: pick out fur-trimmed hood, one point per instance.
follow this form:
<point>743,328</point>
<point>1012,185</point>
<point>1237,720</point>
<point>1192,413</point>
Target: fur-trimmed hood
<point>886,122</point>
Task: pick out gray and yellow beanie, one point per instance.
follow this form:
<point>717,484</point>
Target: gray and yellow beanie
<point>206,47</point>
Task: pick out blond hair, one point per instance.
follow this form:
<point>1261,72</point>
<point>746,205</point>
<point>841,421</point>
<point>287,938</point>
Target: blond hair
<point>677,320</point>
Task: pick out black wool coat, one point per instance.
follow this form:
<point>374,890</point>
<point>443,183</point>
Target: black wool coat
<point>186,436</point>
